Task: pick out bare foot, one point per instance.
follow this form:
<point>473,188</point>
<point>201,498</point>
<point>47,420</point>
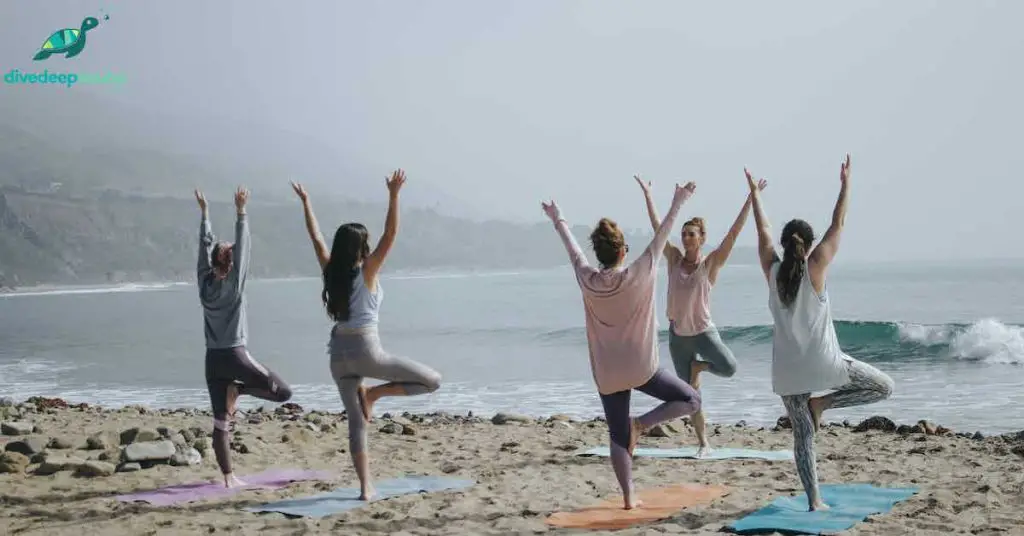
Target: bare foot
<point>635,431</point>
<point>820,507</point>
<point>817,407</point>
<point>630,503</point>
<point>703,451</point>
<point>695,370</point>
<point>232,400</point>
<point>366,403</point>
<point>232,481</point>
<point>367,493</point>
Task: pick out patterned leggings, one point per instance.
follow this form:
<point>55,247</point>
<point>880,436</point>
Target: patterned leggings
<point>867,385</point>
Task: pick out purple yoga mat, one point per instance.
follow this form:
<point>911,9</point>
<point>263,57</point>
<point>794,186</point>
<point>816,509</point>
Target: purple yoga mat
<point>270,479</point>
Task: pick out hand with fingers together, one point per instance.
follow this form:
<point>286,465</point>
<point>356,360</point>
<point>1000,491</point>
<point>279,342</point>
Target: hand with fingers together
<point>241,198</point>
<point>201,199</point>
<point>552,211</point>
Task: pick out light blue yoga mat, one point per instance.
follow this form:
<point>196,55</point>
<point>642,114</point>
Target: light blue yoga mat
<point>850,504</point>
<point>721,453</point>
<point>344,499</point>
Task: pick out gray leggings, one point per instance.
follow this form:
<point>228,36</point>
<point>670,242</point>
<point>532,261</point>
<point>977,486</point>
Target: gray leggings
<point>358,355</point>
<point>867,385</point>
<point>708,345</point>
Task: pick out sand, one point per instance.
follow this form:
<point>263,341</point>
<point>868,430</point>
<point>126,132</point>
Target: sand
<point>525,471</point>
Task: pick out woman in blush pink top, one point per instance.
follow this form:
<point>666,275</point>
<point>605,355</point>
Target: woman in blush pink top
<point>622,334</point>
<point>691,276</point>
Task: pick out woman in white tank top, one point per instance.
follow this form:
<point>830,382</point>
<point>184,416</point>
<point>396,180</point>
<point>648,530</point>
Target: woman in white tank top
<point>805,350</point>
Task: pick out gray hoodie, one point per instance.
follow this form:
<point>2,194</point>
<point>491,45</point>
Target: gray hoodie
<point>223,300</point>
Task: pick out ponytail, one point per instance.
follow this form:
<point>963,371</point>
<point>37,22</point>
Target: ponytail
<point>797,237</point>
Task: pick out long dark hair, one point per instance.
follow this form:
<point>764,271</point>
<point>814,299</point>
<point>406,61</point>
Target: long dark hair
<point>797,237</point>
<point>351,246</point>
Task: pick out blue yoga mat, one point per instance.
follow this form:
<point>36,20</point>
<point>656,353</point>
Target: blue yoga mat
<point>850,504</point>
<point>344,499</point>
<point>691,452</point>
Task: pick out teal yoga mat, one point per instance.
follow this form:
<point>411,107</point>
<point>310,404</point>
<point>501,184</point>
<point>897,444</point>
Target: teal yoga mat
<point>720,453</point>
<point>344,499</point>
<point>850,504</point>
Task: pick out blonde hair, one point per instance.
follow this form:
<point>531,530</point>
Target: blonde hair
<point>697,222</point>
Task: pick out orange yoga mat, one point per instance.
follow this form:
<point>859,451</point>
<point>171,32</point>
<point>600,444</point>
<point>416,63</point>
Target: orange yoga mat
<point>658,504</point>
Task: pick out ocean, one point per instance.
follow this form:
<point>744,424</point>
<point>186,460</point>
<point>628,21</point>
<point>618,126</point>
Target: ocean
<point>950,335</point>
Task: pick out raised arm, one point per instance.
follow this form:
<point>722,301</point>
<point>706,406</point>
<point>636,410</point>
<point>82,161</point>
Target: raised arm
<point>373,263</point>
<point>206,238</point>
<point>826,250</point>
<point>576,256</point>
<point>657,245</point>
<point>720,255</point>
<point>652,213</point>
<point>243,245</point>
<point>765,248</point>
<point>319,247</point>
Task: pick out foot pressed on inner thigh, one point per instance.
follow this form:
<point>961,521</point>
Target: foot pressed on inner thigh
<point>636,429</point>
<point>366,402</point>
<point>232,400</point>
<point>817,407</point>
<point>696,368</point>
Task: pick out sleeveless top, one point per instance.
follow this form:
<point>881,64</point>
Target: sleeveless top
<point>363,305</point>
<point>689,298</point>
<point>805,350</point>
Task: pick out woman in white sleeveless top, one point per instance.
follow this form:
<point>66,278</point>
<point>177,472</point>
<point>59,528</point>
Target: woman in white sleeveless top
<point>805,351</point>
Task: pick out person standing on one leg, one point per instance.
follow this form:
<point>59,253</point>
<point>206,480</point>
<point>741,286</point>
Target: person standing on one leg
<point>222,271</point>
<point>352,295</point>
<point>805,350</point>
<point>622,334</point>
<point>691,276</point>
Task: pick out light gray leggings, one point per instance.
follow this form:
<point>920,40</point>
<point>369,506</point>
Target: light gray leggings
<point>867,385</point>
<point>358,355</point>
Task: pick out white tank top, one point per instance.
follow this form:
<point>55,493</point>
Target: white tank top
<point>805,350</point>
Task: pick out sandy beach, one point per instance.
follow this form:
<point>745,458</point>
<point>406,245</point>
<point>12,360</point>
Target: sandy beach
<point>525,470</point>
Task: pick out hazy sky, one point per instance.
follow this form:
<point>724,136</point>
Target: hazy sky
<point>505,103</point>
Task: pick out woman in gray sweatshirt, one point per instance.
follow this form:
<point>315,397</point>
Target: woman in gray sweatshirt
<point>230,371</point>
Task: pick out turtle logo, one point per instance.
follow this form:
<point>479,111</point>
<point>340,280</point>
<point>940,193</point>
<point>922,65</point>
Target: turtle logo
<point>69,41</point>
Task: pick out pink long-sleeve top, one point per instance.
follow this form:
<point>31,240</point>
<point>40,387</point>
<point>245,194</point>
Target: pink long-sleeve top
<point>622,330</point>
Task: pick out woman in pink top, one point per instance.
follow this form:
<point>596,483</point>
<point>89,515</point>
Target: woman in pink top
<point>691,276</point>
<point>622,334</point>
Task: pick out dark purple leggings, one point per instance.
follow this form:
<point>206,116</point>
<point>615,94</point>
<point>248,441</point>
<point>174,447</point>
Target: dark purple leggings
<point>225,366</point>
<point>678,398</point>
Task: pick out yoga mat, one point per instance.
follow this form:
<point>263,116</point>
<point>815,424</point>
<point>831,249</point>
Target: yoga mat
<point>344,499</point>
<point>721,453</point>
<point>270,479</point>
<point>658,504</point>
<point>850,504</point>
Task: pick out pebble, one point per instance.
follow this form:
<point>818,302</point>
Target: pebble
<point>16,428</point>
<point>13,462</point>
<point>149,450</point>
